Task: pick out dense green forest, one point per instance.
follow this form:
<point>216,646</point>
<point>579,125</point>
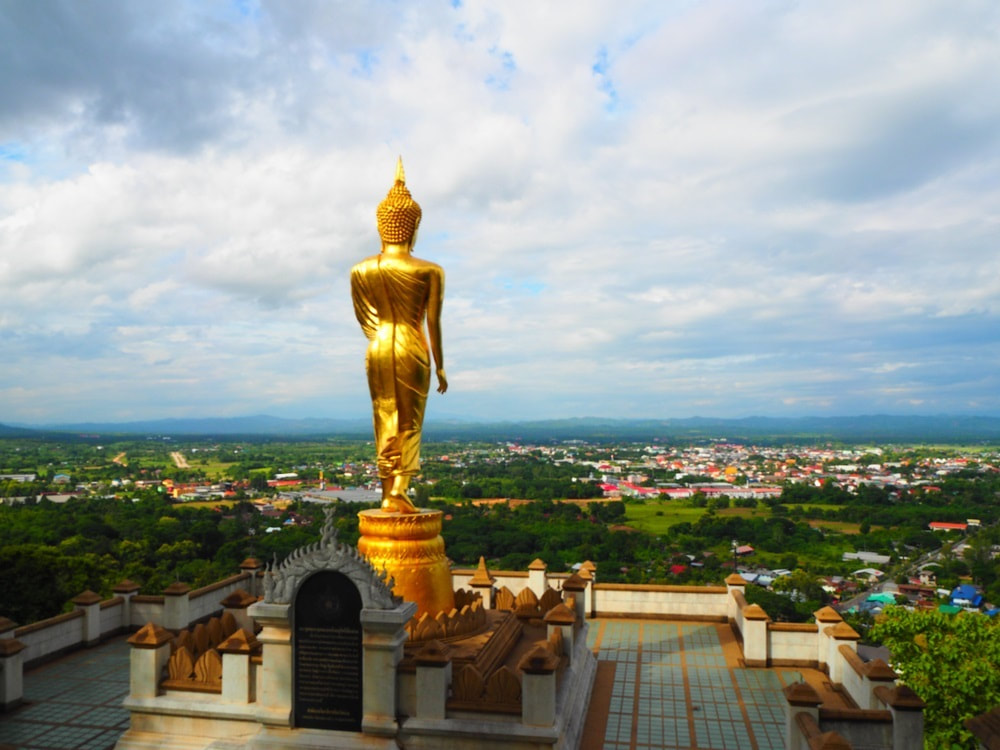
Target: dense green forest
<point>51,552</point>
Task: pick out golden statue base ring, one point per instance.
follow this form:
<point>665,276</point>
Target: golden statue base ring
<point>410,547</point>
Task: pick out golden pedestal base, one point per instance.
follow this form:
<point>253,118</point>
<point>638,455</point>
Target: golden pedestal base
<point>410,547</point>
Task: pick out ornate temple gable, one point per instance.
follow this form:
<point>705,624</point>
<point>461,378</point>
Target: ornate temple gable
<point>281,581</point>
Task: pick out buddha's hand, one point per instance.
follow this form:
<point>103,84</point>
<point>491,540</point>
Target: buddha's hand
<point>442,380</point>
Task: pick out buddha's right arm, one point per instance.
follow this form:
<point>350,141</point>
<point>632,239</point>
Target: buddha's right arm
<point>435,300</point>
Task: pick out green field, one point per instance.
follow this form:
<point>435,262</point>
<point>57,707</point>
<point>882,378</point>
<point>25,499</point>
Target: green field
<point>208,504</point>
<point>213,468</point>
<point>656,518</point>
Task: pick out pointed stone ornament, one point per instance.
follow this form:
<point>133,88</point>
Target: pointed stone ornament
<point>827,614</point>
<point>150,635</point>
<point>482,576</point>
<point>843,632</point>
<point>240,642</point>
<point>901,698</point>
<point>11,646</point>
<point>239,599</point>
<point>87,598</point>
<point>540,660</point>
<point>801,694</point>
<point>433,654</point>
<point>560,615</point>
<point>877,669</point>
<point>755,612</point>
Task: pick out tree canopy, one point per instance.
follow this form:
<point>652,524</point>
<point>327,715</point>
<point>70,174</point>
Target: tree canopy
<point>951,661</point>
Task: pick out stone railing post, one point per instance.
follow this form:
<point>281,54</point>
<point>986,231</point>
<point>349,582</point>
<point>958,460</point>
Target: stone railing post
<point>876,673</point>
<point>90,603</point>
<point>150,653</point>
<point>837,635</point>
<point>176,606</point>
<point>825,617</point>
<point>482,582</point>
<point>236,604</point>
<point>536,577</point>
<point>253,566</point>
<point>562,618</point>
<point>382,642</point>
<point>433,678</point>
<point>734,582</point>
<point>236,650</point>
<point>907,715</point>
<point>576,587</point>
<point>538,687</point>
<point>274,704</point>
<point>11,671</point>
<point>800,697</point>
<point>126,590</point>
<point>588,572</point>
<point>755,639</point>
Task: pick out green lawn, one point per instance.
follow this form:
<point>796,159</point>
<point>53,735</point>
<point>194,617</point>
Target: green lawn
<point>212,467</point>
<point>208,503</point>
<point>645,518</point>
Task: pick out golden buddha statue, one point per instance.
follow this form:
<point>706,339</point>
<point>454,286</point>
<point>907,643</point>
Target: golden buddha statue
<point>393,294</point>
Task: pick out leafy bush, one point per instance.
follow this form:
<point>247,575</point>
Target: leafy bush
<point>951,661</point>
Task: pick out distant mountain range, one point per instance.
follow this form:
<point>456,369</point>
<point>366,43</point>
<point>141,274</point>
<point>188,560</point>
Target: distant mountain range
<point>869,428</point>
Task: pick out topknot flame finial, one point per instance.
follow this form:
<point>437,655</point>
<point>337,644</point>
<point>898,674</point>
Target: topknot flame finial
<point>398,215</point>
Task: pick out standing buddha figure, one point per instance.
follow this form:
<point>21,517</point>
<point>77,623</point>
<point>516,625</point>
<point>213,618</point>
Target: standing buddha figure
<point>394,294</point>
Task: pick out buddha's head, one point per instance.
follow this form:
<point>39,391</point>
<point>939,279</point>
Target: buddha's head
<point>398,215</point>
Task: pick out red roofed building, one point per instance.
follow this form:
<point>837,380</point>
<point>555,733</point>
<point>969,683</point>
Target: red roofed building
<point>947,526</point>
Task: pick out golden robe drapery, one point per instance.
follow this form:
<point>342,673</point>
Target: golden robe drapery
<point>391,294</point>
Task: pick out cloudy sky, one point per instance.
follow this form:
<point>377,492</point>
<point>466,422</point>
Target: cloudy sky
<point>643,209</point>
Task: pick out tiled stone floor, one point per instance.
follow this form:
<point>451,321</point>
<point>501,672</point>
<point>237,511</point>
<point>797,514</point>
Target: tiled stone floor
<point>679,685</point>
<point>73,702</point>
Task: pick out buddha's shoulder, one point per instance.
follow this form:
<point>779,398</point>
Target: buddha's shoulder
<point>365,265</point>
<point>427,265</point>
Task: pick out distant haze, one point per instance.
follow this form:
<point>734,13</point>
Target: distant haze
<point>644,209</point>
<point>876,429</point>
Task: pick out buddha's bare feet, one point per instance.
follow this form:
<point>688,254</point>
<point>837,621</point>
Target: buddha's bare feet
<point>398,503</point>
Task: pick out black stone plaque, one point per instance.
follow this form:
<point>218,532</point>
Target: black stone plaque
<point>326,647</point>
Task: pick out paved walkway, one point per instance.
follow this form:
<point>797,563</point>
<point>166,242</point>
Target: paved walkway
<point>680,685</point>
<point>73,702</point>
